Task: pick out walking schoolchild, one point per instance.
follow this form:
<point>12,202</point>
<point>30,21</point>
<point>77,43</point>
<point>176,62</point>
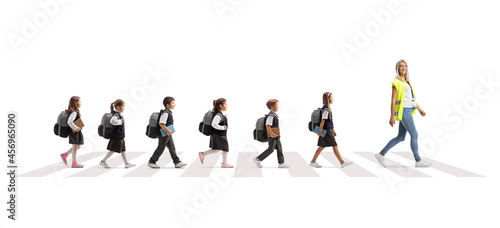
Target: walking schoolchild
<point>117,142</point>
<point>218,139</point>
<point>166,120</point>
<point>75,135</point>
<point>273,136</point>
<point>327,140</point>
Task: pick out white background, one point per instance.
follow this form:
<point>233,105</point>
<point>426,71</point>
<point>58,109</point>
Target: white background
<point>254,51</point>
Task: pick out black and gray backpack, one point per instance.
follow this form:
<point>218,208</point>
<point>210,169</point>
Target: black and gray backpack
<point>61,127</point>
<point>106,129</point>
<point>153,128</point>
<point>205,126</point>
<point>315,119</point>
<point>260,131</point>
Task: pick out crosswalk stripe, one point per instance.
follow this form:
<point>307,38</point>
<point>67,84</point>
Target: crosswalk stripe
<point>196,169</point>
<point>353,170</point>
<point>298,166</point>
<point>98,170</point>
<point>44,171</point>
<point>145,171</point>
<point>455,171</point>
<point>245,167</point>
<point>393,166</point>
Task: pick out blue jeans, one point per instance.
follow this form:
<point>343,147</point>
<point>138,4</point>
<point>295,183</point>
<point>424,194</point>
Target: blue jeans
<point>405,125</point>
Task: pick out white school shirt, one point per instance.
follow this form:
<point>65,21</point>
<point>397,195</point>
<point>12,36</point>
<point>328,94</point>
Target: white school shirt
<point>325,114</point>
<point>409,102</point>
<point>71,119</point>
<point>164,117</point>
<point>269,119</point>
<point>115,120</point>
<point>216,121</point>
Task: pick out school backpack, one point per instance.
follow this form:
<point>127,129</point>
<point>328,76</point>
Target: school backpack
<point>260,131</point>
<point>153,128</point>
<point>205,126</point>
<point>315,119</point>
<point>106,129</point>
<point>61,127</point>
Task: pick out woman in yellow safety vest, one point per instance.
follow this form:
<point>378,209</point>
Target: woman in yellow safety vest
<point>403,107</point>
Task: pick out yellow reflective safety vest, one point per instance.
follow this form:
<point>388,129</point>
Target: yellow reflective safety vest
<point>400,88</point>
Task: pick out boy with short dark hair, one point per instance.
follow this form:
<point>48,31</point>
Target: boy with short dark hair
<point>273,136</point>
<point>166,119</point>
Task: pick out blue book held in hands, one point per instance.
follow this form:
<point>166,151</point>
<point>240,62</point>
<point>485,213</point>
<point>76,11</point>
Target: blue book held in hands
<point>323,131</point>
<point>169,127</point>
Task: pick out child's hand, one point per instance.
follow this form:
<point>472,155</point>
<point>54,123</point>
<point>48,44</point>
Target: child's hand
<point>78,129</point>
<point>334,133</point>
<point>123,121</point>
<point>169,132</point>
<point>320,133</point>
<point>225,127</point>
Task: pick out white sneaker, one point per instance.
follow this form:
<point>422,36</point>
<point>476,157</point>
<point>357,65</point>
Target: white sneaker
<point>153,165</point>
<point>346,163</point>
<point>104,164</point>
<point>180,164</point>
<point>422,163</point>
<point>283,165</point>
<point>315,165</point>
<point>129,165</point>
<point>257,162</point>
<point>381,159</point>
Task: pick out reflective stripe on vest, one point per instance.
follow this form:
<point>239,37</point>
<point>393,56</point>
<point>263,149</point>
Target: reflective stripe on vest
<point>398,108</point>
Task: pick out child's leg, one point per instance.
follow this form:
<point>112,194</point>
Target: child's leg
<point>107,156</point>
<point>171,149</point>
<point>73,153</point>
<point>270,149</point>
<point>162,142</point>
<point>124,156</point>
<point>316,155</point>
<point>281,158</point>
<point>337,154</point>
<point>210,152</point>
<point>224,156</point>
<point>70,150</point>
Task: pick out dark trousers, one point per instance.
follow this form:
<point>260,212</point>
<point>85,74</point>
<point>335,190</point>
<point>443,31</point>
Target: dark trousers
<point>273,144</point>
<point>163,142</point>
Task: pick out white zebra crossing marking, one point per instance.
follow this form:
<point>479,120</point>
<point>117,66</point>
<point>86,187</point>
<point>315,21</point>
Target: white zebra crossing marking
<point>145,171</point>
<point>353,170</point>
<point>442,167</point>
<point>298,166</point>
<point>44,171</point>
<point>98,170</point>
<point>196,169</point>
<point>393,166</point>
<point>245,167</point>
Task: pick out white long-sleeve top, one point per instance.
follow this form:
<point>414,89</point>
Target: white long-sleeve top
<point>115,120</point>
<point>71,119</point>
<point>216,121</point>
